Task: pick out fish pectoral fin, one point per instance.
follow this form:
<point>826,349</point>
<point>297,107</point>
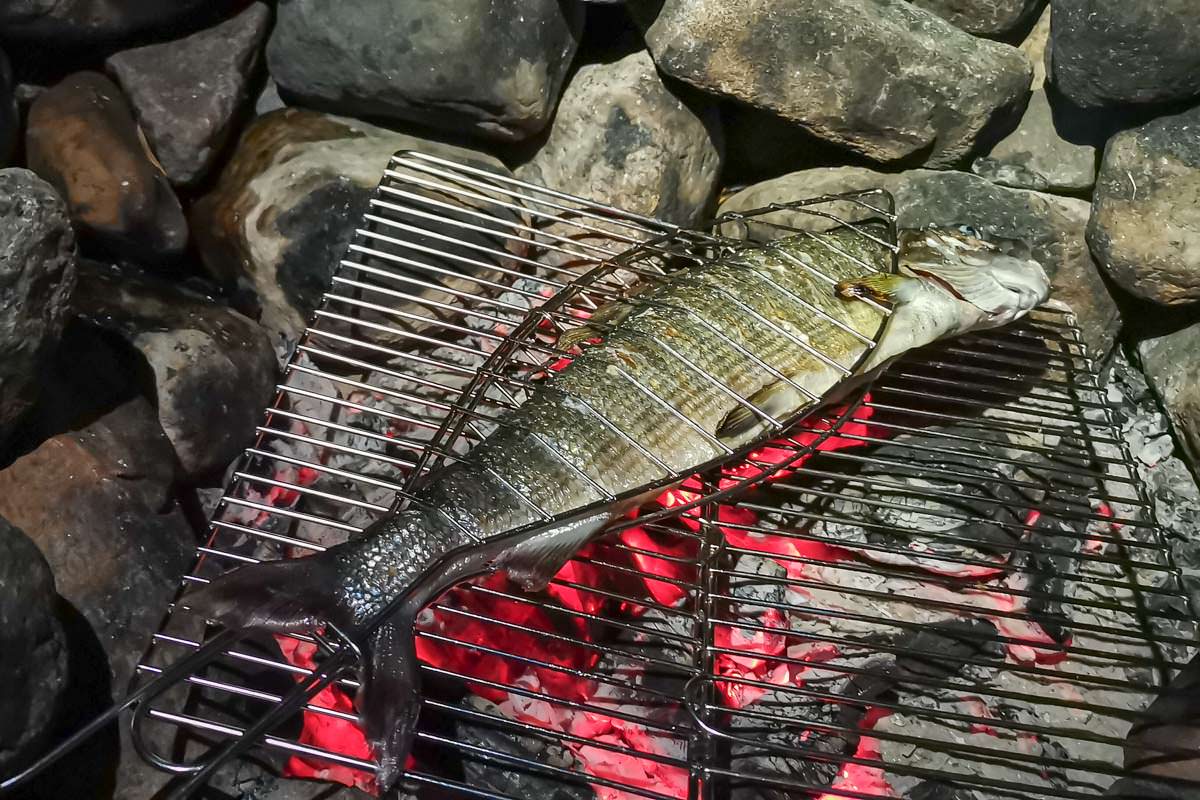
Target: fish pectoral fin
<point>776,399</point>
<point>602,318</point>
<point>881,287</point>
<point>534,561</point>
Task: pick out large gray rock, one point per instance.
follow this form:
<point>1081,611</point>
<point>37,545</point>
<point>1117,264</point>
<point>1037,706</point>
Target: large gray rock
<point>186,94</point>
<point>1145,227</point>
<point>92,21</point>
<point>1114,51</point>
<point>213,370</point>
<point>98,504</point>
<point>880,77</point>
<point>279,218</point>
<point>1172,366</point>
<point>33,657</point>
<point>1038,156</point>
<point>493,67</point>
<point>982,17</point>
<point>1053,226</point>
<point>37,274</point>
<point>648,152</point>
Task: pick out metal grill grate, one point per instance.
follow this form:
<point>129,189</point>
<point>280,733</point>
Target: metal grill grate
<point>958,580</point>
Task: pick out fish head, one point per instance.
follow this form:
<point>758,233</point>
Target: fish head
<point>996,276</point>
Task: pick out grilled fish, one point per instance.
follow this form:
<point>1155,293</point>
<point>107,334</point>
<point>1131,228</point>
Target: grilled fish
<point>704,364</point>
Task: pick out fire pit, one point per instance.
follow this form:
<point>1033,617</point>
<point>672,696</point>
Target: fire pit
<point>950,587</point>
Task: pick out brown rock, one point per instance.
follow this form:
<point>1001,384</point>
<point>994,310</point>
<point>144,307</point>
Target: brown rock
<point>82,138</point>
<point>97,502</point>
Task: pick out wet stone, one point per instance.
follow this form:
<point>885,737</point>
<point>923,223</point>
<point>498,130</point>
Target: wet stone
<point>886,80</point>
<point>10,120</point>
<point>82,138</point>
<point>1106,52</point>
<point>97,21</point>
<point>481,66</point>
<point>213,370</point>
<point>37,274</point>
<point>33,657</point>
<point>1037,156</point>
<point>1145,224</point>
<point>1172,366</point>
<point>188,93</point>
<point>648,152</point>
<point>983,17</point>
<point>286,205</point>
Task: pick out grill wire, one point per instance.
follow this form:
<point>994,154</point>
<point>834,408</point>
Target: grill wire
<point>993,456</point>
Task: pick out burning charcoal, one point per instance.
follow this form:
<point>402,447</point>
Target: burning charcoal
<point>506,778</point>
<point>942,648</point>
<point>286,205</point>
<point>754,591</point>
<point>213,369</point>
<point>787,747</point>
<point>33,652</point>
<point>37,275</point>
<point>940,790</point>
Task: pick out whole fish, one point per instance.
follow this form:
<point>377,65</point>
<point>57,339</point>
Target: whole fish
<point>701,365</point>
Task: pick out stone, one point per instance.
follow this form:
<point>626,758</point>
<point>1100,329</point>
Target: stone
<point>187,94</point>
<point>490,67</point>
<point>37,275</point>
<point>1145,226</point>
<point>1036,47</point>
<point>650,153</point>
<point>97,21</point>
<point>1037,156</point>
<point>82,138</point>
<point>1053,226</point>
<point>281,214</point>
<point>1172,366</point>
<point>98,503</point>
<point>880,77</point>
<point>1107,52</point>
<point>213,370</point>
<point>993,18</point>
<point>10,118</point>
<point>33,650</point>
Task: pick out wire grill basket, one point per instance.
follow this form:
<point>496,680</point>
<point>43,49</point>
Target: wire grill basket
<point>952,580</point>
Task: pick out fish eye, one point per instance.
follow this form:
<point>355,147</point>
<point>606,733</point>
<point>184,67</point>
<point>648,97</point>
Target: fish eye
<point>972,231</point>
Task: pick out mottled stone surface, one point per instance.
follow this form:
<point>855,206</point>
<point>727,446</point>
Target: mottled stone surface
<point>1037,156</point>
<point>188,93</point>
<point>97,502</point>
<point>92,21</point>
<point>1172,366</point>
<point>285,207</point>
<point>37,274</point>
<point>982,17</point>
<point>33,657</point>
<point>213,370</point>
<point>621,137</point>
<point>1053,226</point>
<point>1114,51</point>
<point>494,67</point>
<point>82,138</point>
<point>1145,226</point>
<point>880,77</point>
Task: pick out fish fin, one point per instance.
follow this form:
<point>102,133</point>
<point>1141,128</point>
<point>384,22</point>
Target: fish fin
<point>390,696</point>
<point>775,399</point>
<point>881,287</point>
<point>534,561</point>
<point>604,317</point>
<point>286,596</point>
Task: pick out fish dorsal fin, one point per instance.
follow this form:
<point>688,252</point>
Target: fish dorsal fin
<point>533,562</point>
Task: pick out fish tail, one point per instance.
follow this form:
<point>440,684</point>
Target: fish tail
<point>300,594</point>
